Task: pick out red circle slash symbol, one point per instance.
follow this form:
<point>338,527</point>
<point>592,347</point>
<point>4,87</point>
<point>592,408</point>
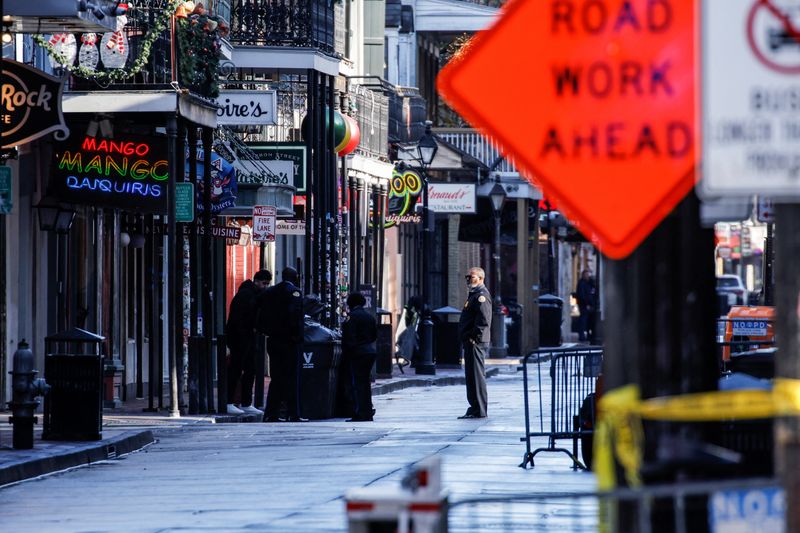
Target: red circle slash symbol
<point>773,37</point>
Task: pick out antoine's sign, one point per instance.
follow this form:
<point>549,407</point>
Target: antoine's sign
<point>30,104</point>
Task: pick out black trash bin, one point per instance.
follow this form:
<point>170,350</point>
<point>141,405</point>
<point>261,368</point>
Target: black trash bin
<point>73,367</point>
<point>446,348</point>
<point>550,319</point>
<point>385,344</point>
<point>514,332</point>
<point>319,364</point>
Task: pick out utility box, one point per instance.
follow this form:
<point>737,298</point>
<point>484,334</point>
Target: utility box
<point>73,367</point>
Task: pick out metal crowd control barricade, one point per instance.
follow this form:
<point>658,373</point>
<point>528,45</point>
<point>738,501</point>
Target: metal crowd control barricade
<point>565,376</point>
<point>754,504</point>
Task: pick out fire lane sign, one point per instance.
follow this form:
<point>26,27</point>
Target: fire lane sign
<point>751,98</point>
<point>601,112</point>
<point>264,217</point>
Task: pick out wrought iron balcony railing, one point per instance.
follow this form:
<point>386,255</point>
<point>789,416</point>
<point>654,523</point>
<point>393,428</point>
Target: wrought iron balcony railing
<point>372,115</point>
<point>290,23</point>
<point>473,143</point>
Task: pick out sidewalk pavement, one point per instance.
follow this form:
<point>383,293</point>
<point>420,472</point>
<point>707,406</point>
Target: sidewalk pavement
<point>129,428</point>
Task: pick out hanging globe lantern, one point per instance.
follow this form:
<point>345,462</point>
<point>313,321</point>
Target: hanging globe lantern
<point>355,136</point>
<point>341,131</point>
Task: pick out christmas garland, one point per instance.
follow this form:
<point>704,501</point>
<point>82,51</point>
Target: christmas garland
<point>115,75</point>
<point>199,39</point>
<point>198,35</point>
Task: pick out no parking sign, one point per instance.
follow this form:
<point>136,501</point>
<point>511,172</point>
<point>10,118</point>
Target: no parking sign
<point>751,98</point>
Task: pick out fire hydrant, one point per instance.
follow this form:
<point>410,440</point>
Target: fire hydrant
<point>25,387</point>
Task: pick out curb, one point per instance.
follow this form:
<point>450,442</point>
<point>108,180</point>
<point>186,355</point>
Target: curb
<point>87,454</point>
<point>387,388</point>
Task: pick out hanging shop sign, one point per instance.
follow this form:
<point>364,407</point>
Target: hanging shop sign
<point>290,226</point>
<point>751,98</point>
<point>285,164</point>
<point>603,113</point>
<point>246,108</point>
<point>264,217</point>
<point>30,104</point>
<point>6,201</point>
<point>404,192</point>
<point>451,197</point>
<point>129,171</point>
<point>224,186</point>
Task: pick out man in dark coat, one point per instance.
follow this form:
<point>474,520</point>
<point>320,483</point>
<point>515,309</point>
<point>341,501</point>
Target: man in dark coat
<point>280,316</point>
<point>474,332</point>
<point>241,340</point>
<point>586,294</point>
<point>359,333</point>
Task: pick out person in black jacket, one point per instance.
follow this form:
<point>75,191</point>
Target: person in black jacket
<point>359,333</point>
<point>241,340</point>
<point>280,316</point>
<point>474,332</point>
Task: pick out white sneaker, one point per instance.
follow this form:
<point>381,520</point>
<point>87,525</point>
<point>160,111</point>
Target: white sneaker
<point>233,410</point>
<point>250,410</point>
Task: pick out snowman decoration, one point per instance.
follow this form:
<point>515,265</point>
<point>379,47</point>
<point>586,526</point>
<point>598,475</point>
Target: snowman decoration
<point>88,56</point>
<point>65,46</point>
<point>114,49</point>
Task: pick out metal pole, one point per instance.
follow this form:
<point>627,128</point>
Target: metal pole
<point>426,366</point>
<point>175,278</point>
<point>498,348</point>
<point>206,272</point>
<point>787,362</point>
<point>769,261</point>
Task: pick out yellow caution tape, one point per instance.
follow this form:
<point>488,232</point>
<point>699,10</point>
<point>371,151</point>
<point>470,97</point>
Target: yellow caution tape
<point>618,432</point>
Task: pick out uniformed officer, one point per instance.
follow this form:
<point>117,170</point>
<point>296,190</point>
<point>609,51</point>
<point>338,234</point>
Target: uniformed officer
<point>474,331</point>
<point>281,312</point>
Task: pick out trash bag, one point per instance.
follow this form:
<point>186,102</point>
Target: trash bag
<point>314,332</point>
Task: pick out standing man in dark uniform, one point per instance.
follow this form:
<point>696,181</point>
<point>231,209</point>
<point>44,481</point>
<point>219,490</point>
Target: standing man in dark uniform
<point>241,340</point>
<point>281,318</point>
<point>359,333</point>
<point>474,332</point>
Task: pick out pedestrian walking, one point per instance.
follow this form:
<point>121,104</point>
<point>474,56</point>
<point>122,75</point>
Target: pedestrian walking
<point>586,294</point>
<point>240,336</point>
<point>280,317</point>
<point>359,335</point>
<point>474,332</point>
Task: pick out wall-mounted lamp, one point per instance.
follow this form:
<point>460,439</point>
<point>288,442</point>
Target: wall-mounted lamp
<point>53,217</point>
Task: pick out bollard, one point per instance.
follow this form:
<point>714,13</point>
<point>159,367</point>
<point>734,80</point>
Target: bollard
<point>25,387</point>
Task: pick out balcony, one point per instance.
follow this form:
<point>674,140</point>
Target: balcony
<point>372,115</point>
<point>283,23</point>
<point>147,57</point>
<point>476,145</point>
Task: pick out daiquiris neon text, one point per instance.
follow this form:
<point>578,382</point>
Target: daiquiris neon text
<point>114,166</point>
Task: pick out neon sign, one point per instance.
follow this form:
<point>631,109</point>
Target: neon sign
<point>130,172</point>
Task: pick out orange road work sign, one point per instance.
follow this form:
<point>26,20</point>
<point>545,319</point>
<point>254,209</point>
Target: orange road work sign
<point>595,101</point>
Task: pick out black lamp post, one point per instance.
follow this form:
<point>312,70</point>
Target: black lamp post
<point>498,196</point>
<point>426,149</point>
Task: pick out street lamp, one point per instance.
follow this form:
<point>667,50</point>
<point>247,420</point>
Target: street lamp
<point>426,149</point>
<point>498,196</point>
